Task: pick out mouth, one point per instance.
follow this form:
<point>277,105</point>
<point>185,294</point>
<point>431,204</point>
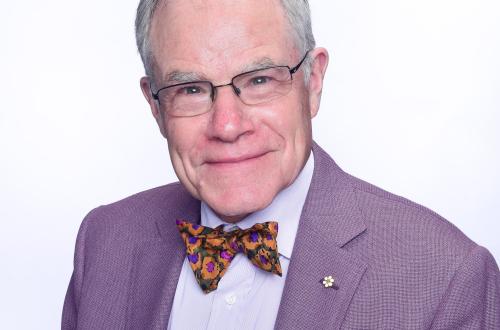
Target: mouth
<point>235,160</point>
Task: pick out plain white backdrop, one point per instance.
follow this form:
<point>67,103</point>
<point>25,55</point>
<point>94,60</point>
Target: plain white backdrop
<point>411,103</point>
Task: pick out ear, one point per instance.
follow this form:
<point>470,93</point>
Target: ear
<point>319,63</point>
<point>153,104</point>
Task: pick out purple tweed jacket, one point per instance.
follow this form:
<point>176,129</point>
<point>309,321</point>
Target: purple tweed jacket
<point>397,265</point>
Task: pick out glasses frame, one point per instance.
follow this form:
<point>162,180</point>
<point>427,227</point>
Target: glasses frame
<point>236,90</point>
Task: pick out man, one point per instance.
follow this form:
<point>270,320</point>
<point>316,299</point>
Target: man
<point>233,86</point>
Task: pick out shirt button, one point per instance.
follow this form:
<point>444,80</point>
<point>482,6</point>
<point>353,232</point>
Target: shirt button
<point>231,299</point>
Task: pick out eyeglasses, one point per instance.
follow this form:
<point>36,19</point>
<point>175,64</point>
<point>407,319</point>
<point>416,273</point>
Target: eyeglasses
<point>252,87</point>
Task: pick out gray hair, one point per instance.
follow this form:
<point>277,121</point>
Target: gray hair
<point>296,11</point>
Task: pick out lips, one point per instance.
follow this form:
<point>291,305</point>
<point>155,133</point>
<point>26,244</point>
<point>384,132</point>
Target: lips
<point>234,160</point>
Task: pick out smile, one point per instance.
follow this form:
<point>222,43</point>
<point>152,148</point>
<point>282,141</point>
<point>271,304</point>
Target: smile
<point>235,160</point>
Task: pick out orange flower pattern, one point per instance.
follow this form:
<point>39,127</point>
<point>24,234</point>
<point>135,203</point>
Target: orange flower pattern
<point>211,250</point>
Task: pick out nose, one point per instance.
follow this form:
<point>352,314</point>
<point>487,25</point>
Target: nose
<point>228,120</point>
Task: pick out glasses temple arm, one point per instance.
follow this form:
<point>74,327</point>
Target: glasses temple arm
<point>153,94</point>
<point>295,68</point>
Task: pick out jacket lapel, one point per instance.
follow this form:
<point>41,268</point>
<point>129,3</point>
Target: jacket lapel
<point>156,268</point>
<point>330,219</point>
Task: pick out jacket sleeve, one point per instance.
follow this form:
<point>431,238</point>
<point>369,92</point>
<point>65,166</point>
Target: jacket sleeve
<point>74,292</point>
<point>472,299</point>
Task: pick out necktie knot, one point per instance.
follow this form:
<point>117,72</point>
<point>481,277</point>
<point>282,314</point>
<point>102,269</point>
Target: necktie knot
<point>211,250</point>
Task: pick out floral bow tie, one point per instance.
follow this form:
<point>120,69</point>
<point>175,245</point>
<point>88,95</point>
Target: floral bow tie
<point>210,251</point>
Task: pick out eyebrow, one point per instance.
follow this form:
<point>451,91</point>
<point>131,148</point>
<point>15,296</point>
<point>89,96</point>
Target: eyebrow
<point>261,63</point>
<point>179,77</point>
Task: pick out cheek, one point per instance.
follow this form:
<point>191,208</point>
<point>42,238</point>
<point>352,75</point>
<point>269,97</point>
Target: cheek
<point>295,126</point>
<point>287,128</point>
<point>292,122</point>
<point>183,135</point>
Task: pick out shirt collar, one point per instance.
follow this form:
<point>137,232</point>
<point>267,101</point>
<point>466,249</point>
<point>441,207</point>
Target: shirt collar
<point>285,208</point>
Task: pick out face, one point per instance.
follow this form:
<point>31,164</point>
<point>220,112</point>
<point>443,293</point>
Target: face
<point>235,157</point>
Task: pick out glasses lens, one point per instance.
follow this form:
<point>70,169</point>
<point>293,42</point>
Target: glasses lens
<point>189,99</point>
<point>263,85</point>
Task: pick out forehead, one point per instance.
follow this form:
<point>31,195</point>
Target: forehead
<point>218,36</point>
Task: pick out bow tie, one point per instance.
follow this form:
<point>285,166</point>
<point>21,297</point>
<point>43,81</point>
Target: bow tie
<point>211,250</point>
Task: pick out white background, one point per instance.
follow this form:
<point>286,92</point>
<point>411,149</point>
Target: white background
<point>411,104</point>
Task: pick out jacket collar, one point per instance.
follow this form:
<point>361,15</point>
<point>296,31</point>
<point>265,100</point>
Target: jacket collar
<point>330,220</point>
<point>157,265</point>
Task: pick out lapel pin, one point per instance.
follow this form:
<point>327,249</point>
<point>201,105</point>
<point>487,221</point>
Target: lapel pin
<point>329,282</point>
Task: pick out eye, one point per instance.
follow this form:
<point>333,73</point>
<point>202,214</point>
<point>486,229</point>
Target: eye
<point>260,80</point>
<point>193,89</point>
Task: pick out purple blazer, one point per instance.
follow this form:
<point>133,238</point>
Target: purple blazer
<point>397,265</point>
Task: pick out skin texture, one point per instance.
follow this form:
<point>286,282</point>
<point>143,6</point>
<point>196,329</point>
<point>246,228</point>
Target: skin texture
<point>235,157</point>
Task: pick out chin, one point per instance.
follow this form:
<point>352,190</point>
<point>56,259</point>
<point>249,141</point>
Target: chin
<point>234,204</point>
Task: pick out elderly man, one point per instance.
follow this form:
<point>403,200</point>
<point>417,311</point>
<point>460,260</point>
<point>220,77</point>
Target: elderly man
<point>233,86</point>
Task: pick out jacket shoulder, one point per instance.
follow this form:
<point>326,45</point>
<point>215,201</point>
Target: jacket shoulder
<point>411,230</point>
<point>380,205</point>
<point>403,225</point>
<point>135,217</point>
